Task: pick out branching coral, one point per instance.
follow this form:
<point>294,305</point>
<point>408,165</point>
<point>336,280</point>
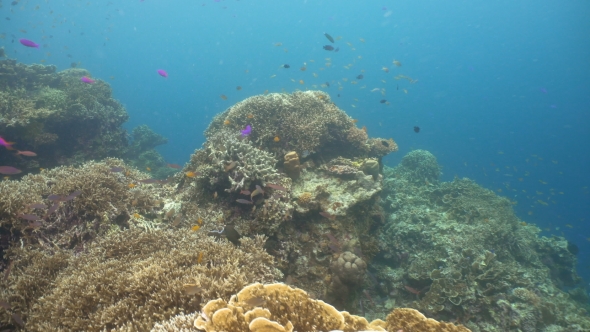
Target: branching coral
<point>128,280</point>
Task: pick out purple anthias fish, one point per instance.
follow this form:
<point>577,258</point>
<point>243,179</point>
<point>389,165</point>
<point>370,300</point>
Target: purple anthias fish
<point>162,73</point>
<point>29,43</point>
<point>9,170</point>
<point>5,143</point>
<point>87,80</point>
<point>246,131</point>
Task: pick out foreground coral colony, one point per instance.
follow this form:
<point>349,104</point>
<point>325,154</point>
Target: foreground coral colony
<point>308,231</point>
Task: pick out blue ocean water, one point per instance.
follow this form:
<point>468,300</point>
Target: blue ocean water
<point>500,89</point>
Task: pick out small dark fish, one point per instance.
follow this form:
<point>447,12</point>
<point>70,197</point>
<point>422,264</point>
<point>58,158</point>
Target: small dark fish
<point>72,195</point>
<point>327,215</point>
<point>416,129</point>
<point>52,209</point>
<point>286,66</point>
<point>69,55</point>
<point>35,224</point>
<point>383,101</point>
<point>360,77</point>
<point>31,217</point>
<point>14,3</point>
<point>337,49</point>
<point>228,232</point>
<point>9,170</point>
<point>54,197</point>
<point>149,181</point>
<point>338,95</point>
<point>328,48</point>
<point>37,206</point>
<point>329,37</point>
<point>256,301</point>
<point>18,320</point>
<point>276,187</point>
<point>175,166</point>
<point>73,65</point>
<point>328,84</point>
<point>7,18</point>
<point>243,201</point>
<point>117,169</point>
<point>5,305</point>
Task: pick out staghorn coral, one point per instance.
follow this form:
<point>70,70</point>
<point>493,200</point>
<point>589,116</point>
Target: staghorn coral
<point>128,280</point>
<point>104,201</point>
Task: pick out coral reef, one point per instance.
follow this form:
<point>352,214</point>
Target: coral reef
<point>128,280</point>
<point>65,121</point>
<point>457,252</point>
<point>278,307</point>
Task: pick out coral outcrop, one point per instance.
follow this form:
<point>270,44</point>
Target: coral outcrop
<point>63,120</point>
<point>457,252</point>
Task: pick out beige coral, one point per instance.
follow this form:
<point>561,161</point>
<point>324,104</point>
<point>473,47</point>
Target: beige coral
<point>285,309</point>
<point>129,280</point>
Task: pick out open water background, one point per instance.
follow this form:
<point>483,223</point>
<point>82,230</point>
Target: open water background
<point>502,97</point>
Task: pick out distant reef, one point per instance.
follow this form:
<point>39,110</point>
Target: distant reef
<point>66,121</point>
<point>285,219</point>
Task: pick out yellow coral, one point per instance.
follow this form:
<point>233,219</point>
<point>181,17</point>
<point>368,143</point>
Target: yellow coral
<point>286,309</point>
<point>304,198</point>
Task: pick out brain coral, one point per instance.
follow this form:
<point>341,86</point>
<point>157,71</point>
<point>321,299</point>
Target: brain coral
<point>128,280</point>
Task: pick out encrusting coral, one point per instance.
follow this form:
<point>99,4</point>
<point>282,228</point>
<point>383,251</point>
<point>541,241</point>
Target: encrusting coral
<point>130,279</point>
<point>280,308</point>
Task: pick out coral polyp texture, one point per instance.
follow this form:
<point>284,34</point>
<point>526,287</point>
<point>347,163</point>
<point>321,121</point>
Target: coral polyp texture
<point>304,122</point>
<point>278,307</point>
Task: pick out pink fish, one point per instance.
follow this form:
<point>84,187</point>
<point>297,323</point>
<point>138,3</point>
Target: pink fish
<point>9,170</point>
<point>27,153</point>
<point>29,43</point>
<point>87,80</point>
<point>6,144</point>
<point>163,73</point>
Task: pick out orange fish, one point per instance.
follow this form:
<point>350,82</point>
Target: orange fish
<point>250,116</point>
<point>131,185</point>
<point>200,258</point>
<point>200,221</point>
<point>148,169</point>
<point>191,174</point>
<point>195,228</point>
<point>276,139</point>
<point>301,82</point>
<point>226,122</point>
